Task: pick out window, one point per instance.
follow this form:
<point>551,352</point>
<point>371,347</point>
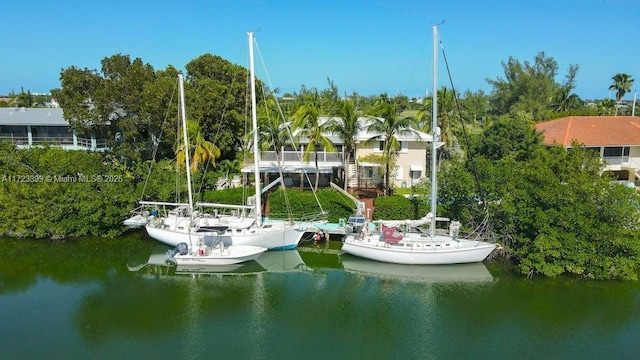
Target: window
<point>615,151</point>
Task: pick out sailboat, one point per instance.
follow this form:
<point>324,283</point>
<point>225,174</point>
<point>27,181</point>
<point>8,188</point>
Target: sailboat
<point>245,227</point>
<point>201,249</point>
<point>404,241</point>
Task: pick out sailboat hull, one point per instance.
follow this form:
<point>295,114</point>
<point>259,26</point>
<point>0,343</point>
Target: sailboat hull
<point>424,252</point>
<point>270,237</point>
<point>219,256</point>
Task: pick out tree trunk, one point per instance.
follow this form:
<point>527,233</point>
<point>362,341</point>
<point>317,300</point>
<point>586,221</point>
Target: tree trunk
<point>317,169</point>
<point>346,171</point>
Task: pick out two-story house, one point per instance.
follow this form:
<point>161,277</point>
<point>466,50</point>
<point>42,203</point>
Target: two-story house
<point>411,162</point>
<point>26,127</point>
<point>615,138</point>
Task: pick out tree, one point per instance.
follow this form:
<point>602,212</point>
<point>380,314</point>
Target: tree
<point>307,121</point>
<point>528,87</point>
<point>217,91</point>
<point>200,149</point>
<point>622,84</point>
<point>24,99</point>
<point>347,129</point>
<point>475,106</point>
<point>388,124</point>
<point>509,136</point>
<point>561,216</point>
<point>565,100</point>
<point>109,102</point>
<point>449,120</point>
<point>274,131</point>
<point>552,208</point>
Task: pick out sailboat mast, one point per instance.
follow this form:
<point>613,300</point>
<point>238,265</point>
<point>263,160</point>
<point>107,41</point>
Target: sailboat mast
<point>434,133</point>
<point>254,120</point>
<point>183,113</point>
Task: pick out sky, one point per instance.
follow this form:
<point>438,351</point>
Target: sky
<point>368,47</point>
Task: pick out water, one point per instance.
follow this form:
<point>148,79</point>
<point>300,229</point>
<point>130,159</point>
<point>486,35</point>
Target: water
<point>101,298</point>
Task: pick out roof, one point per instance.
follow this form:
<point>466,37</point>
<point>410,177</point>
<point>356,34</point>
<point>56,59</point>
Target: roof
<point>592,130</point>
<point>32,116</point>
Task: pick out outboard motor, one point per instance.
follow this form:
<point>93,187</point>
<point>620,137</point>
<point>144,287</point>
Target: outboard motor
<point>182,249</point>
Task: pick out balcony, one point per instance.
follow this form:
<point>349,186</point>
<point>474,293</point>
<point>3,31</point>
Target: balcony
<point>65,142</point>
<point>333,159</point>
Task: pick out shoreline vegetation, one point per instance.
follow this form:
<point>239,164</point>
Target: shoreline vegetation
<point>50,193</point>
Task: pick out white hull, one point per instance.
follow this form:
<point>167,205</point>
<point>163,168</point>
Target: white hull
<point>279,236</point>
<point>442,250</point>
<point>203,255</point>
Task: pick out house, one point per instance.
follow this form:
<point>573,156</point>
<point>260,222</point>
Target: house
<point>411,161</point>
<point>615,138</point>
<point>26,127</point>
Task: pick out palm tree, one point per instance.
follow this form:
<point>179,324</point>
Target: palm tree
<point>622,84</point>
<point>388,124</point>
<point>200,149</point>
<point>273,130</point>
<point>307,120</point>
<point>347,130</point>
<point>446,118</point>
<point>24,99</point>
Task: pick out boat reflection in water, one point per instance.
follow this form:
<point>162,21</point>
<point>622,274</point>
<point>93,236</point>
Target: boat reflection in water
<point>282,261</point>
<point>462,273</point>
<point>270,261</point>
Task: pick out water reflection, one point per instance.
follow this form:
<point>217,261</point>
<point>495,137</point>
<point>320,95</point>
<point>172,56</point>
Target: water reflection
<point>118,299</point>
<point>476,272</point>
<point>155,262</point>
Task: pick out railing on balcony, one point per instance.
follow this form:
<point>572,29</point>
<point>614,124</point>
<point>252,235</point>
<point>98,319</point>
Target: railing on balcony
<point>17,140</point>
<point>296,156</point>
<point>60,140</point>
<point>616,160</point>
<point>64,141</point>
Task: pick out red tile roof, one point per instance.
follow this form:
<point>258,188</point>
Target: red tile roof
<point>592,130</point>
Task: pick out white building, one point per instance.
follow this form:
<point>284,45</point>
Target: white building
<point>26,127</point>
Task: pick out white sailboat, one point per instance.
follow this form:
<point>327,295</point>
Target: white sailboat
<point>201,249</point>
<point>245,227</point>
<point>383,240</point>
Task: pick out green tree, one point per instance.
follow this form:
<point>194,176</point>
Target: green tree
<point>565,99</point>
<point>274,131</point>
<point>200,149</point>
<point>622,84</point>
<point>552,208</point>
<point>109,102</point>
<point>387,124</point>
<point>509,136</point>
<point>217,92</point>
<point>311,128</point>
<point>24,99</point>
<point>561,217</point>
<point>475,106</point>
<point>529,87</point>
<point>347,129</point>
<point>449,120</point>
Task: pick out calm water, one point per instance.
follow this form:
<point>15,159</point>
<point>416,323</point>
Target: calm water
<point>102,298</point>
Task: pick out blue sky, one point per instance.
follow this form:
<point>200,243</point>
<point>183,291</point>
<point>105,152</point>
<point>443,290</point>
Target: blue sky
<point>370,47</point>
